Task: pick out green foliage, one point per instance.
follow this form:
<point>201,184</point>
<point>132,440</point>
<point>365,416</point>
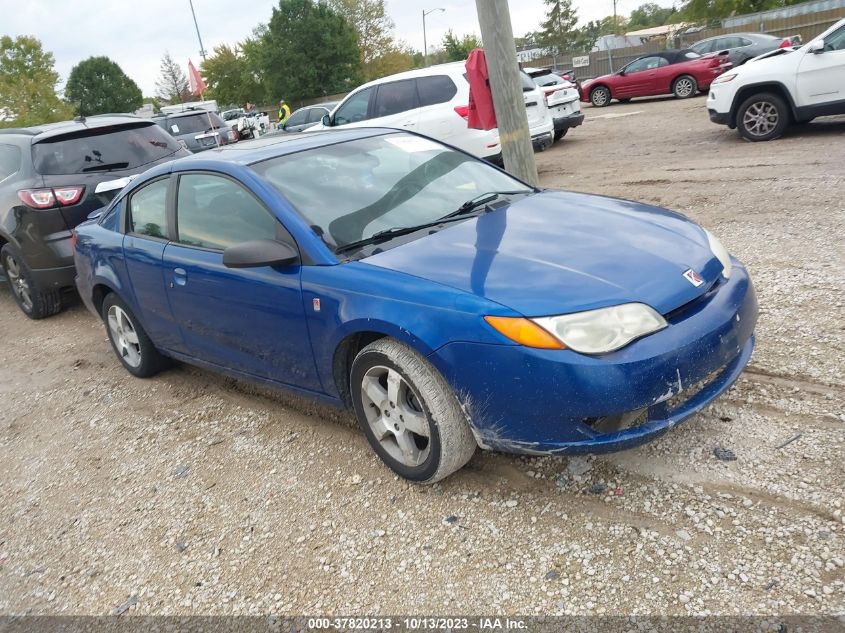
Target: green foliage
<point>98,85</point>
<point>559,30</point>
<point>714,10</point>
<point>28,84</point>
<point>649,15</point>
<point>172,85</point>
<point>380,54</point>
<point>309,50</point>
<point>232,77</point>
<point>587,36</point>
<point>458,48</point>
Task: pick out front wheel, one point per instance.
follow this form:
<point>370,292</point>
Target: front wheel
<point>130,342</point>
<point>762,117</point>
<point>600,96</point>
<point>408,412</point>
<point>684,87</point>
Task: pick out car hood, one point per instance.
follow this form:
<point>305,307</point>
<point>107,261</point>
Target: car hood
<point>556,253</point>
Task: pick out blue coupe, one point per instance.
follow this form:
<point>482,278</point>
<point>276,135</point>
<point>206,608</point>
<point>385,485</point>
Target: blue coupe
<point>449,304</point>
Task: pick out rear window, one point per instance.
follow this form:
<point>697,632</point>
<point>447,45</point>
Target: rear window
<point>103,149</point>
<point>527,83</point>
<point>193,124</point>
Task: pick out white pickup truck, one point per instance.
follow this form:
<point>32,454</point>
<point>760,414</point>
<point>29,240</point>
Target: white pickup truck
<point>762,97</point>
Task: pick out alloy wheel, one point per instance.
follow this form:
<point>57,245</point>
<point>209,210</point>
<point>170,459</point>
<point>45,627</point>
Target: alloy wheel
<point>124,336</point>
<point>599,97</point>
<point>18,283</point>
<point>396,416</point>
<point>684,87</point>
<point>760,118</point>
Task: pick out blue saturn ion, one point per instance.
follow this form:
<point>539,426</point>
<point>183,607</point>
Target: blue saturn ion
<point>450,305</point>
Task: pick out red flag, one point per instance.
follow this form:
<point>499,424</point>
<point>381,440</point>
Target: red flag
<point>481,115</point>
<point>194,80</point>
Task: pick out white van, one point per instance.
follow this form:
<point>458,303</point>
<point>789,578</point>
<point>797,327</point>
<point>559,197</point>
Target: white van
<point>434,101</point>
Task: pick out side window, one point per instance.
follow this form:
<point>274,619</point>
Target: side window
<point>396,97</point>
<point>355,109</point>
<point>298,118</point>
<point>703,47</point>
<point>646,63</point>
<point>10,160</point>
<point>835,41</point>
<point>148,210</point>
<point>745,42</point>
<point>215,212</point>
<point>315,115</point>
<point>436,89</point>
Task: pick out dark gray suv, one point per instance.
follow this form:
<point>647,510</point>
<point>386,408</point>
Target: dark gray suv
<point>49,177</point>
<point>199,130</point>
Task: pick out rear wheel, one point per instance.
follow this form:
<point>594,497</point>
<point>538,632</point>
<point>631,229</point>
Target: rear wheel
<point>560,134</point>
<point>762,117</point>
<point>600,96</point>
<point>408,412</point>
<point>684,87</point>
<point>129,340</point>
<point>33,301</point>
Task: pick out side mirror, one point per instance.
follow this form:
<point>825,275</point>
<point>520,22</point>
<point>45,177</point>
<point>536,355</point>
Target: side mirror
<point>259,253</point>
<point>327,120</point>
<point>817,46</point>
<point>621,73</point>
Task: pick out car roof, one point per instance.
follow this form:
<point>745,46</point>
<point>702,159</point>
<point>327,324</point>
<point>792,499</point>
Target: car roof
<point>765,36</point>
<point>47,130</point>
<point>257,150</point>
<point>439,69</point>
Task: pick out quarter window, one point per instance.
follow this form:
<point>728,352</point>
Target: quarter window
<point>148,210</point>
<point>10,160</point>
<point>355,109</point>
<point>215,212</point>
<point>436,89</point>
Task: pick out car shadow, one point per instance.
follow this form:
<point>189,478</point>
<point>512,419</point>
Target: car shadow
<point>817,127</point>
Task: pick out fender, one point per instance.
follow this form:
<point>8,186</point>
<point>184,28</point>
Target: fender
<point>743,93</point>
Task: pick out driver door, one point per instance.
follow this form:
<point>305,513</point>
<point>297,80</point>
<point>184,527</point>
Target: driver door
<point>251,320</point>
<point>821,76</point>
<point>638,75</point>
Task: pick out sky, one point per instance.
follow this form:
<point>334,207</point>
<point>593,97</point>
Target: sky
<point>136,35</point>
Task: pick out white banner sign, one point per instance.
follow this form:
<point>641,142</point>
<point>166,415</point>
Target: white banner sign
<point>580,62</point>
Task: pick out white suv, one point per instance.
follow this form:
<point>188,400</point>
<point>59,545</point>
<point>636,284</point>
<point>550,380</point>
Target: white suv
<point>434,101</point>
<point>762,97</point>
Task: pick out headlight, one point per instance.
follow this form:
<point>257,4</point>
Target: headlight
<point>723,79</point>
<point>603,330</point>
<point>720,252</point>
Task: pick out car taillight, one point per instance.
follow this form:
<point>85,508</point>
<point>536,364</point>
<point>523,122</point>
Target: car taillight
<point>49,198</point>
<point>463,111</point>
<point>786,43</point>
<point>68,195</point>
<point>73,239</point>
<point>37,198</point>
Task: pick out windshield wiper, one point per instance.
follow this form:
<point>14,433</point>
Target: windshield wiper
<point>397,231</point>
<point>106,167</point>
<point>480,200</point>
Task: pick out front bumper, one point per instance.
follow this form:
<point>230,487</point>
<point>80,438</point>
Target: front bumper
<point>523,400</point>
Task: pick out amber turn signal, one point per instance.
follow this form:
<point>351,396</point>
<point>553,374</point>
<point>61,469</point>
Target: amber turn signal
<point>524,331</point>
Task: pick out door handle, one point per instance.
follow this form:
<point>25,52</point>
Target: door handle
<point>180,277</point>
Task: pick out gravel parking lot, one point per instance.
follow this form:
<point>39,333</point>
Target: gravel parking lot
<point>193,494</point>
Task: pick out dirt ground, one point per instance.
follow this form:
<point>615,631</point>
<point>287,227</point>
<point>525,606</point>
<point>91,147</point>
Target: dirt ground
<point>193,494</point>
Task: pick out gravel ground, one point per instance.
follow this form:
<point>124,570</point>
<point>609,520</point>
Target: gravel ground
<point>193,494</point>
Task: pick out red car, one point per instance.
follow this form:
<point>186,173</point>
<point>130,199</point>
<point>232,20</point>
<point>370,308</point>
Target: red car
<point>679,72</point>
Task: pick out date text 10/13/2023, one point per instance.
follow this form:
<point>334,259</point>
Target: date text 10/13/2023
<point>417,624</point>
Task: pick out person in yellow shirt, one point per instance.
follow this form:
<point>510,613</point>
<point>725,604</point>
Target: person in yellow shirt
<point>284,112</point>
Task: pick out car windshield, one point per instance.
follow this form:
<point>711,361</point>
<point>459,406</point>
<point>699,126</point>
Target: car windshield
<point>548,80</point>
<point>103,149</point>
<point>352,190</point>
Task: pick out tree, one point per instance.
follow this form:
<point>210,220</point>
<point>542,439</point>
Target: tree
<point>587,36</point>
<point>28,84</point>
<point>558,30</point>
<point>398,58</point>
<point>458,48</point>
<point>714,10</point>
<point>375,35</point>
<point>309,50</point>
<point>233,78</point>
<point>649,15</point>
<point>172,85</point>
<point>98,85</point>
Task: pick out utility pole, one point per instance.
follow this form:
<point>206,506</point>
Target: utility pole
<point>499,48</point>
<point>425,41</point>
<point>196,26</point>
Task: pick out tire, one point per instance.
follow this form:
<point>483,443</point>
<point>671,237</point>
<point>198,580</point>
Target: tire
<point>600,96</point>
<point>34,301</point>
<point>560,134</point>
<point>129,341</point>
<point>684,87</point>
<point>388,379</point>
<point>762,117</point>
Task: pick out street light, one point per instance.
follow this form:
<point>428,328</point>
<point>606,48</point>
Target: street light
<point>425,42</point>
